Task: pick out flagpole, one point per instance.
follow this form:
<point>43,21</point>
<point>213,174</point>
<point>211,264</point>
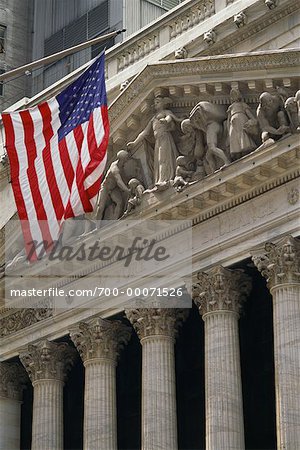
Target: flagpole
<point>59,55</point>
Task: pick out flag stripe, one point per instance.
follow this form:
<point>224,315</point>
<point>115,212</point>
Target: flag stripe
<point>57,153</point>
<point>14,172</point>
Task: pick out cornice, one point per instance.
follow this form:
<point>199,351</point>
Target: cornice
<point>234,64</point>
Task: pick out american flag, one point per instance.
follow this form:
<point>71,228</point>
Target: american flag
<point>57,154</point>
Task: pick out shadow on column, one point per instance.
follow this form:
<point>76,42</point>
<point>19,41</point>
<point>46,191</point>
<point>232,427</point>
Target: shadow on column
<point>129,372</point>
<point>26,417</point>
<point>189,350</point>
<point>256,344</point>
<point>73,407</point>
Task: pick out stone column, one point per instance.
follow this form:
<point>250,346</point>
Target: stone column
<point>156,329</point>
<point>99,342</point>
<point>47,364</point>
<point>280,265</point>
<point>218,294</point>
<point>12,381</point>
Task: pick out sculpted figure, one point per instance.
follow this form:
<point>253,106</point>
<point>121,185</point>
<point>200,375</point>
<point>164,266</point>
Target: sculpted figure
<point>271,117</point>
<point>113,187</point>
<point>136,191</point>
<point>291,108</point>
<point>191,144</point>
<point>161,126</point>
<point>210,37</point>
<point>184,173</point>
<point>181,53</point>
<point>209,118</point>
<point>239,114</point>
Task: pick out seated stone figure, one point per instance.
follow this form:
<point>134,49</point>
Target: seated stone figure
<point>183,173</point>
<point>271,117</point>
<point>136,192</point>
<point>209,118</point>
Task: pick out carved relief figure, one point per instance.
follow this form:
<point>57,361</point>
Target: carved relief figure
<point>113,188</point>
<point>136,192</point>
<point>239,114</point>
<point>271,117</point>
<point>161,126</point>
<point>191,144</point>
<point>291,108</point>
<point>209,118</point>
<point>184,173</point>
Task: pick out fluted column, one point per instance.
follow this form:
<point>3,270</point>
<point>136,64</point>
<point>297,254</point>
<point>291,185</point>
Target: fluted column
<point>280,265</point>
<point>218,294</point>
<point>156,329</point>
<point>47,364</point>
<point>12,380</point>
<point>99,342</point>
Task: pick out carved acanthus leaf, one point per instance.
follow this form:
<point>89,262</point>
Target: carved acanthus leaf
<point>149,322</point>
<point>13,378</point>
<point>100,338</point>
<point>221,289</point>
<point>280,262</point>
<point>48,360</point>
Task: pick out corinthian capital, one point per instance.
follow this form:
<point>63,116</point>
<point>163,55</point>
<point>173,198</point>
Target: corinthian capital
<point>156,321</point>
<point>100,338</point>
<point>220,289</point>
<point>48,360</point>
<point>12,380</point>
<point>280,262</point>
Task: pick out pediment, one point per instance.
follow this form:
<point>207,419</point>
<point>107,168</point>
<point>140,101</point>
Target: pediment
<point>188,81</point>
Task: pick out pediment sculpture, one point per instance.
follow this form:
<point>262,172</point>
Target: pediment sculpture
<point>183,150</point>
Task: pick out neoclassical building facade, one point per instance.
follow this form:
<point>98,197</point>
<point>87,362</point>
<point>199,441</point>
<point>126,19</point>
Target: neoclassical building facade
<point>204,108</point>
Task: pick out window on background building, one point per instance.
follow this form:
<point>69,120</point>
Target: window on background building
<point>2,38</point>
<point>90,25</point>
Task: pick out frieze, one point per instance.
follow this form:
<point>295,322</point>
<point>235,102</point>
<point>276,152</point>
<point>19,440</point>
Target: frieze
<point>14,321</point>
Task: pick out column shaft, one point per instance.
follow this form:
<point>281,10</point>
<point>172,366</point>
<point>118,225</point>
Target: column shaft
<point>100,410</point>
<point>99,342</point>
<point>223,387</point>
<point>280,265</point>
<point>47,422</point>
<point>159,420</point>
<point>286,313</point>
<point>10,420</point>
